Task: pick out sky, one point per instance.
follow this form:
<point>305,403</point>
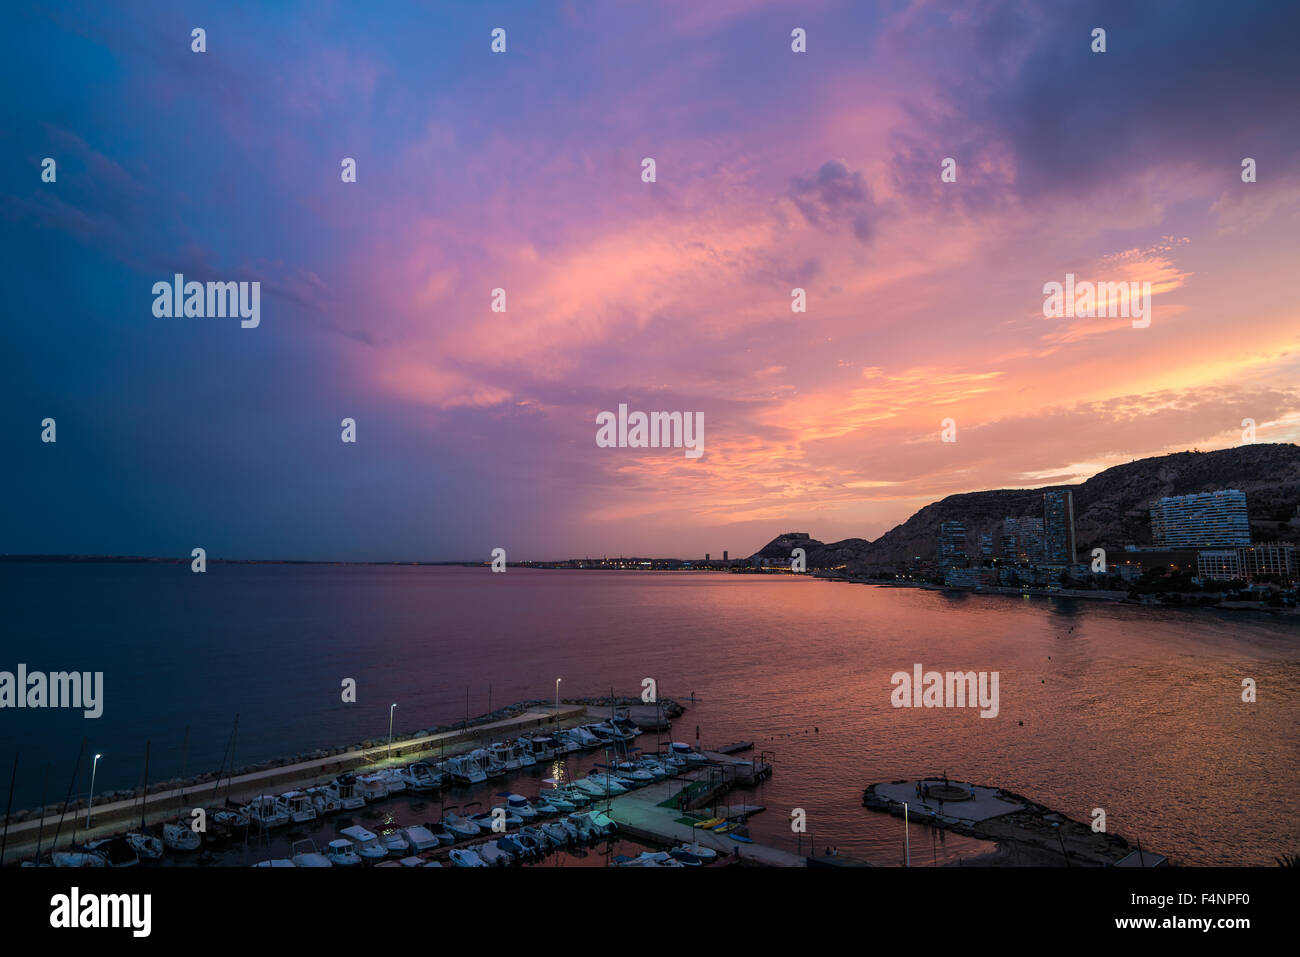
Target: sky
<point>522,170</point>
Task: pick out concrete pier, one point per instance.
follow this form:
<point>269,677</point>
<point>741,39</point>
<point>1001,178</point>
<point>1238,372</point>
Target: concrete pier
<point>120,816</point>
<point>638,814</point>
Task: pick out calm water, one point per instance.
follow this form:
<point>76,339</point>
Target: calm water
<point>1134,710</point>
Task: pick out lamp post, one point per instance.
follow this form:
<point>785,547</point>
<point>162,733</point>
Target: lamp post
<point>557,693</point>
<point>391,709</point>
<point>91,803</point>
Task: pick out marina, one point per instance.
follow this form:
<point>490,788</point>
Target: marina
<point>633,800</point>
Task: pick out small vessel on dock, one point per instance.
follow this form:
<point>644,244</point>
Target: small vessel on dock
<point>365,843</point>
<point>342,853</point>
<point>463,770</point>
<point>180,837</point>
<point>346,787</point>
<point>146,846</point>
<point>263,812</point>
<point>297,806</point>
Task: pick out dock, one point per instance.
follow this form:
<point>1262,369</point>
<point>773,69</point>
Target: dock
<point>115,817</point>
<point>642,814</point>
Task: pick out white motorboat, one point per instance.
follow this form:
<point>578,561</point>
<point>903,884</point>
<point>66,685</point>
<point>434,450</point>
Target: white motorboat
<point>420,839</point>
<point>539,840</point>
<point>423,776</point>
<point>413,861</point>
<point>297,805</point>
<point>265,813</point>
<point>497,823</point>
<point>346,787</point>
<point>541,748</point>
<point>393,780</point>
<point>276,862</point>
<point>309,856</point>
<point>146,846</point>
<point>583,737</point>
<point>372,787</point>
<point>520,805</point>
<point>466,858</point>
<point>491,855</point>
<point>180,837</point>
<point>365,843</point>
<point>628,771</point>
<point>342,853</point>
<point>461,826</point>
<point>489,765</point>
<point>395,842</point>
<point>235,820</point>
<point>325,800</point>
<point>505,754</point>
<point>594,823</point>
<point>702,851</point>
<point>599,784</point>
<point>604,736</point>
<point>557,832</point>
<point>564,744</point>
<point>465,771</point>
<point>648,859</point>
<point>612,731</point>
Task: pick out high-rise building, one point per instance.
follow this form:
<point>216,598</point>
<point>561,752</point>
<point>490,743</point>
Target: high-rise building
<point>1058,527</point>
<point>1029,539</point>
<point>1204,519</point>
<point>952,544</point>
<point>986,545</point>
<point>1009,538</point>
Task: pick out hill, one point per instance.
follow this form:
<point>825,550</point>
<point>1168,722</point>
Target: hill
<point>1110,509</point>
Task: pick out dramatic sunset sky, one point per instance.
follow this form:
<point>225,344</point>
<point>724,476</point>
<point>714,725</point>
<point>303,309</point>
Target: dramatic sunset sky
<point>522,170</point>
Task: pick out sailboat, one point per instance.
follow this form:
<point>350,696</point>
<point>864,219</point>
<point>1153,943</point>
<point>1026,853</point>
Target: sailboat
<point>180,837</point>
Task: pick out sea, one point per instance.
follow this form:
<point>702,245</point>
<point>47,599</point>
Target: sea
<point>1134,710</point>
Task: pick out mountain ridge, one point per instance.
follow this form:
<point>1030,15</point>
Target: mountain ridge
<point>1110,508</point>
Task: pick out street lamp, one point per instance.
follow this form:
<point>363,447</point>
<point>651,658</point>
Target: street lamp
<point>391,709</point>
<point>91,803</point>
<point>557,693</point>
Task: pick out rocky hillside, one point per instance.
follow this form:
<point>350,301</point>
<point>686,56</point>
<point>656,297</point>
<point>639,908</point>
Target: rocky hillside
<point>1110,509</point>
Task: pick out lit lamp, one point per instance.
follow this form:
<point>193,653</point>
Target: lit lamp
<point>91,803</point>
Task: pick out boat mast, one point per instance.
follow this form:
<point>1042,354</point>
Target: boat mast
<point>76,773</point>
<point>144,791</point>
<point>41,832</point>
<point>230,775</point>
<point>4,840</point>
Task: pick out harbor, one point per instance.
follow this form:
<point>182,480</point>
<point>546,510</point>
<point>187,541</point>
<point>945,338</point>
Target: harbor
<point>532,783</point>
<point>1027,833</point>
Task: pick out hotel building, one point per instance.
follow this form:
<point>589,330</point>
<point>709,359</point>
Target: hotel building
<point>1205,519</point>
